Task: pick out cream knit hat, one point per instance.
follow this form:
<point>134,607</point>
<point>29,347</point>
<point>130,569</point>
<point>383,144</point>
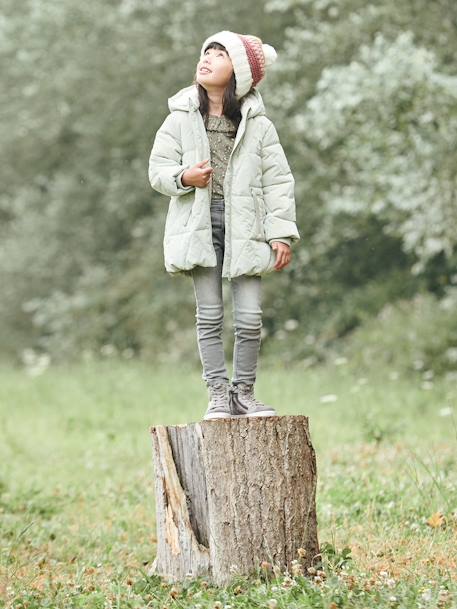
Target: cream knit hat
<point>249,57</point>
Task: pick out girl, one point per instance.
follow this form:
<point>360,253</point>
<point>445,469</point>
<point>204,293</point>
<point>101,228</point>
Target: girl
<point>234,218</point>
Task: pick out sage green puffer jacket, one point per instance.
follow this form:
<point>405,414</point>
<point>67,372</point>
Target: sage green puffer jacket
<point>258,190</point>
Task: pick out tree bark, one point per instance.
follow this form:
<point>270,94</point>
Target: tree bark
<point>232,493</point>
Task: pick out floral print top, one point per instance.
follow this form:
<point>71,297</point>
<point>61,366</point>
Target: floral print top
<point>221,135</point>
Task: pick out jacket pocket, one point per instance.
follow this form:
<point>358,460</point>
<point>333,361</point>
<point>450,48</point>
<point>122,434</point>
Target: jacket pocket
<point>259,207</point>
<point>188,215</point>
<point>179,213</point>
<point>187,201</point>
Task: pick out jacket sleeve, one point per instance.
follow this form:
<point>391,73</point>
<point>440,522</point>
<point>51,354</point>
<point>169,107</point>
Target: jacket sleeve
<point>165,168</point>
<point>278,190</point>
<point>285,240</point>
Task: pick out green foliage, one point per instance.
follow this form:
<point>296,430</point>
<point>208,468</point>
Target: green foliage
<point>317,333</point>
<point>388,121</point>
<point>411,336</point>
<point>335,558</point>
<point>363,95</point>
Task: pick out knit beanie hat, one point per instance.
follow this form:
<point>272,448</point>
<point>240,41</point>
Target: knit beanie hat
<point>249,57</point>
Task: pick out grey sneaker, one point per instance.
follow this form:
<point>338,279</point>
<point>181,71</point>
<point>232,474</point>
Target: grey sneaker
<point>219,403</point>
<point>243,402</point>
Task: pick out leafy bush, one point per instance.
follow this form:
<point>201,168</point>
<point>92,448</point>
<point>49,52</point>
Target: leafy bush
<point>409,335</point>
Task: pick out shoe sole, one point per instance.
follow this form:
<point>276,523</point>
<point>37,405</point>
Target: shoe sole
<point>267,413</point>
<point>217,416</point>
<point>224,415</point>
<point>240,416</point>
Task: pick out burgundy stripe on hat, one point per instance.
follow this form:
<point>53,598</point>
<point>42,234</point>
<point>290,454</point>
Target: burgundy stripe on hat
<point>255,57</point>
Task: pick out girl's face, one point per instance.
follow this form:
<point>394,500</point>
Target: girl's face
<point>214,69</point>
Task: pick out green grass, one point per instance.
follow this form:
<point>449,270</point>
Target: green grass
<point>77,499</point>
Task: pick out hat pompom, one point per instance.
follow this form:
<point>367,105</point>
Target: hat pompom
<point>269,54</point>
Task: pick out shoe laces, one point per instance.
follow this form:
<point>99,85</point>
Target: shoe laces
<point>248,391</point>
<point>218,394</point>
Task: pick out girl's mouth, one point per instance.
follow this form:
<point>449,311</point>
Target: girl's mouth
<point>205,71</point>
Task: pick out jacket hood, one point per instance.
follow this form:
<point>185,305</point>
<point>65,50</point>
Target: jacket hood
<point>187,99</point>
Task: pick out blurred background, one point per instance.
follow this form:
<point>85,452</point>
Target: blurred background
<point>364,97</point>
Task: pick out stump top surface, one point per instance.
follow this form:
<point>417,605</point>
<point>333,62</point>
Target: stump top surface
<point>242,422</point>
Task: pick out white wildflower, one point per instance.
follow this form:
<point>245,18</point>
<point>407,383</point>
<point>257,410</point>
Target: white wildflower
<point>329,397</point>
<point>446,412</point>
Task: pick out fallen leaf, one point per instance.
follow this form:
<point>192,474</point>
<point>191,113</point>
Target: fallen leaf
<point>436,520</point>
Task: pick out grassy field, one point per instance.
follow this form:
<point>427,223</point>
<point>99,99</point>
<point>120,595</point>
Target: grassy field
<point>77,503</point>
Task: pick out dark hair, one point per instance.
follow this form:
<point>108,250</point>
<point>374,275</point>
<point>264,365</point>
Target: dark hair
<point>231,106</point>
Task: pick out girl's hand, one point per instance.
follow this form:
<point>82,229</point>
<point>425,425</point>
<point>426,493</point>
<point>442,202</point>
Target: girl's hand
<point>197,175</point>
<point>283,254</point>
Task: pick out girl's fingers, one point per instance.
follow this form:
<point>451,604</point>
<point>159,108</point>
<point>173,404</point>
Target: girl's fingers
<point>283,259</point>
<point>279,259</point>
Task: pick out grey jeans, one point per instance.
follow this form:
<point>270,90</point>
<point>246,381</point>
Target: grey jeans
<point>247,313</point>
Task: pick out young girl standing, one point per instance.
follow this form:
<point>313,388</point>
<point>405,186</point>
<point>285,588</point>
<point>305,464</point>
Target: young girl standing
<point>234,218</point>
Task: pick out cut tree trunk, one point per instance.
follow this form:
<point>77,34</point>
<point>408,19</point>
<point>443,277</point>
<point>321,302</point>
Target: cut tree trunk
<point>233,493</point>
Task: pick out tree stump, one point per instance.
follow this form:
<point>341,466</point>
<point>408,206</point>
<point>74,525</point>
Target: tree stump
<point>232,493</point>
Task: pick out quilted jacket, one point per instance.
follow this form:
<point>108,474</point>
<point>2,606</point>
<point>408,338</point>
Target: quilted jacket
<point>258,190</point>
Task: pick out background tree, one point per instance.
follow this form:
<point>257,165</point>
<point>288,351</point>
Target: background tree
<point>364,100</point>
